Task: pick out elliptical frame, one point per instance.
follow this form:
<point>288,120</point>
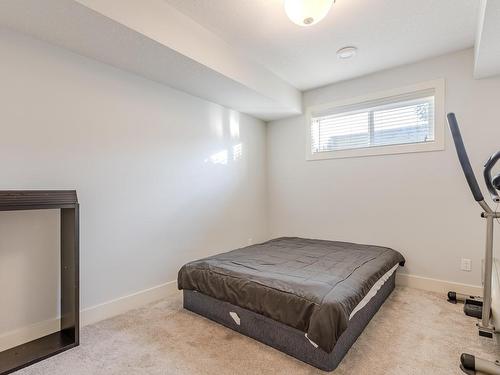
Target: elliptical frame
<point>469,363</point>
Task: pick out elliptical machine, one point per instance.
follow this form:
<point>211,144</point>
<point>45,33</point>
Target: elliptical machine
<point>480,307</point>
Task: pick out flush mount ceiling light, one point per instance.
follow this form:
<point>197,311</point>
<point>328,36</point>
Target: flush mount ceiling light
<point>347,53</point>
<point>307,12</point>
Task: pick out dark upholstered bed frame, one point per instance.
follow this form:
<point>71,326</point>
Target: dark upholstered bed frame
<point>282,337</point>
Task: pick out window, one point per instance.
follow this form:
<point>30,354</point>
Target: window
<point>406,120</point>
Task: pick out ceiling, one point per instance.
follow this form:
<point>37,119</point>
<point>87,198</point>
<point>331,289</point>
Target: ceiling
<point>487,51</point>
<point>152,39</point>
<point>246,54</point>
<point>388,33</point>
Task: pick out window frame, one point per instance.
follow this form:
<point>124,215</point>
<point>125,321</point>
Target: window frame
<point>438,144</point>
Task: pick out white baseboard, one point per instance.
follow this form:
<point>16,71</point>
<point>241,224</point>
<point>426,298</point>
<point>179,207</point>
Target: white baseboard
<point>435,285</point>
<point>89,315</point>
<point>121,305</point>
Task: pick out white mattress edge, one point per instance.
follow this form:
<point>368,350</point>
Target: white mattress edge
<point>373,291</point>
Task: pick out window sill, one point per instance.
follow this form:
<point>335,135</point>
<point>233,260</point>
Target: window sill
<point>380,150</point>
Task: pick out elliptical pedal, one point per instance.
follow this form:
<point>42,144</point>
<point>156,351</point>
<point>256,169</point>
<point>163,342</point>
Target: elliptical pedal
<point>473,308</point>
<point>473,305</point>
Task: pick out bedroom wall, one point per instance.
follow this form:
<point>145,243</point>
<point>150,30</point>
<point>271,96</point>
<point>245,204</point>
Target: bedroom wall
<point>417,203</point>
<point>162,177</point>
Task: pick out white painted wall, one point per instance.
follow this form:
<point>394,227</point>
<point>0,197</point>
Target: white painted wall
<point>29,268</point>
<point>416,203</point>
<point>139,155</point>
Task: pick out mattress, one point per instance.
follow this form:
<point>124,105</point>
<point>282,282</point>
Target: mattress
<point>310,285</point>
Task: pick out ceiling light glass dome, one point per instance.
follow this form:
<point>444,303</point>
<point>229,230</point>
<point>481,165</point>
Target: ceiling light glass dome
<point>307,12</point>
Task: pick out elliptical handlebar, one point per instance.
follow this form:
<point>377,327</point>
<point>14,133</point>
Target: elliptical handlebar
<point>487,176</point>
<point>464,159</point>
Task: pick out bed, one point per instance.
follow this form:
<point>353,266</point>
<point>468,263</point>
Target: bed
<point>308,298</point>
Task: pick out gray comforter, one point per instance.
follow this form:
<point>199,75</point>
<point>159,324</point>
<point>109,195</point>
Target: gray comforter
<point>311,285</point>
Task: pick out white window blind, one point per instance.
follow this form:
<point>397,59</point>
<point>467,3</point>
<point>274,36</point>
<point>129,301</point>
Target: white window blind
<point>399,120</point>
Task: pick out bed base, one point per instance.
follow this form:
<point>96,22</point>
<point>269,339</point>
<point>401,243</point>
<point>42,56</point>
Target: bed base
<point>282,337</point>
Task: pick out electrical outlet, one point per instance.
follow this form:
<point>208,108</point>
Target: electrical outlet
<point>250,241</point>
<point>466,265</point>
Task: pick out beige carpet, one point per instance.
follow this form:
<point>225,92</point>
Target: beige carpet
<point>415,332</point>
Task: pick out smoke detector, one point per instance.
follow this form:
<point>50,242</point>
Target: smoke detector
<point>347,53</point>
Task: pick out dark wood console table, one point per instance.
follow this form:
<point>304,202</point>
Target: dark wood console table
<point>68,337</point>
